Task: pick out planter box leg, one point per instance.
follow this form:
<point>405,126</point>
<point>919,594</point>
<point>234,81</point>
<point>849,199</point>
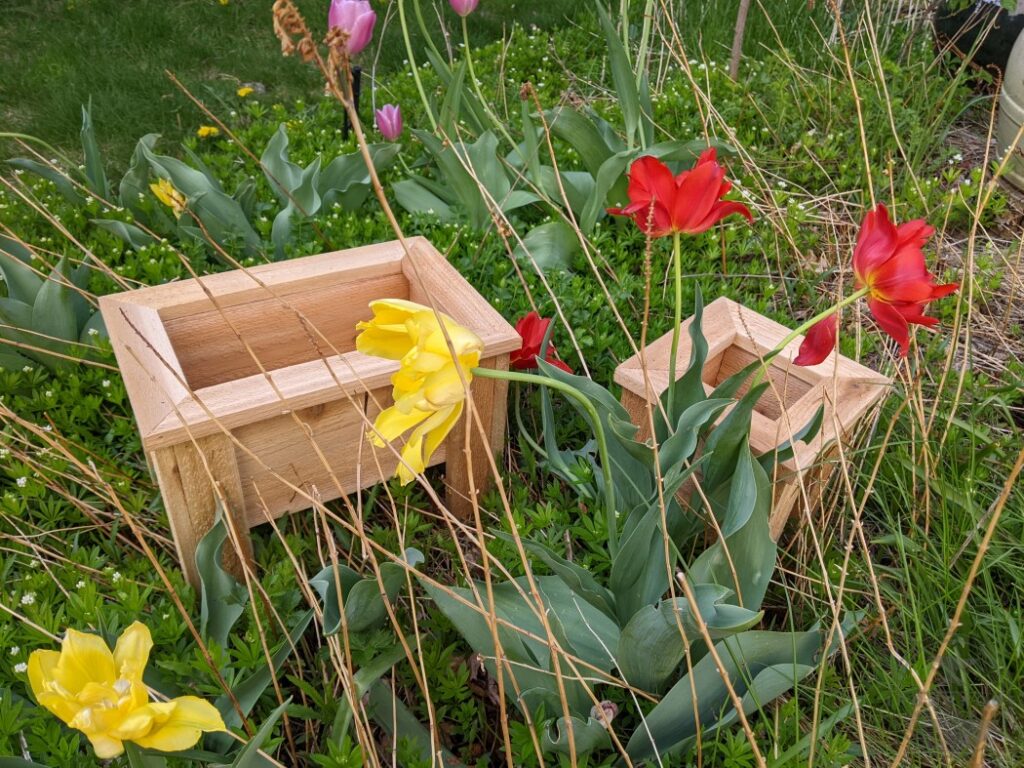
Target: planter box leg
<point>489,396</point>
<point>184,472</point>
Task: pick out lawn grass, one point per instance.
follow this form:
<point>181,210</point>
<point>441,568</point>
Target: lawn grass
<point>58,54</point>
<point>900,542</point>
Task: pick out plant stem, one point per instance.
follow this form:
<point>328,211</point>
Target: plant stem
<point>500,124</point>
<point>803,328</point>
<point>423,29</point>
<point>413,65</point>
<point>595,420</point>
<point>678,272</point>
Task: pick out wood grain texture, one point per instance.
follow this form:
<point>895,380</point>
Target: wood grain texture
<point>737,336</point>
<point>296,429</point>
<point>468,471</point>
<point>186,474</point>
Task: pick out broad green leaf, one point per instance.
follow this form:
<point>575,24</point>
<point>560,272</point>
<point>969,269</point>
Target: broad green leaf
<point>577,578</point>
<point>96,177</point>
<point>303,201</point>
<point>415,198</point>
<point>282,173</point>
<point>245,196</point>
<point>60,180</point>
<point>129,233</point>
<point>17,762</point>
<point>549,246</point>
<point>688,389</point>
<point>361,598</point>
<point>622,74</point>
<point>249,756</point>
<point>681,444</point>
<point>10,358</point>
<point>135,182</point>
<point>346,179</point>
<point>23,282</point>
<point>451,105</point>
<point>654,641</point>
<point>744,560</point>
<point>53,316</point>
<point>674,721</point>
<point>581,133</point>
<point>639,573</point>
<point>223,599</point>
<point>471,110</point>
<point>784,452</point>
<point>139,758</point>
<point>586,736</point>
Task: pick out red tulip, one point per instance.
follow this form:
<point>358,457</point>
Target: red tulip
<point>532,328</point>
<point>818,343</point>
<point>690,203</point>
<point>890,270</point>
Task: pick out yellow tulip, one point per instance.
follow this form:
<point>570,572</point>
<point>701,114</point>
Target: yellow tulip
<point>165,192</point>
<point>102,695</point>
<point>428,386</point>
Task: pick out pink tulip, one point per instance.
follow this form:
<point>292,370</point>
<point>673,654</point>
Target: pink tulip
<point>389,121</point>
<point>464,7</point>
<point>355,17</point>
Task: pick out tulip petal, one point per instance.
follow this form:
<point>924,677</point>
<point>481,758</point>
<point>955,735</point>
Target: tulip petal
<point>105,746</point>
<point>696,195</point>
<point>721,210</point>
<point>41,667</point>
<point>875,243</point>
<point>180,723</point>
<point>818,343</point>
<point>84,658</point>
<point>131,654</point>
<point>892,322</point>
<point>392,423</point>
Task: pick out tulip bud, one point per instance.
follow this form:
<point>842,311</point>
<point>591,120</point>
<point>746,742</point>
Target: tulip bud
<point>389,121</point>
<point>464,7</point>
<point>356,18</point>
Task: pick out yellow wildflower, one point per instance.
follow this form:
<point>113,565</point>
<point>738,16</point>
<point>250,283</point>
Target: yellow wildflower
<point>207,131</point>
<point>165,192</point>
<point>428,387</point>
<point>244,91</point>
<point>102,695</point>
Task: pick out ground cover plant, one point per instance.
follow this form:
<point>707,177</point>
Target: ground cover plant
<point>914,550</point>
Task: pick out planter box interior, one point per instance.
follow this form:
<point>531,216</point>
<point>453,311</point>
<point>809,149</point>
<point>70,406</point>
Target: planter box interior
<point>736,337</point>
<point>250,379</point>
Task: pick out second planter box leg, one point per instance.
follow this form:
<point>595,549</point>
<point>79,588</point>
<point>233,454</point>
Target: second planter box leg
<point>185,474</point>
<point>469,475</point>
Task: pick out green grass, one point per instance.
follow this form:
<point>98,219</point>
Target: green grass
<point>58,54</point>
<point>913,536</point>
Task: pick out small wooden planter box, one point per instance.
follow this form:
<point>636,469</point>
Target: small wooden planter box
<point>737,336</point>
<point>250,378</point>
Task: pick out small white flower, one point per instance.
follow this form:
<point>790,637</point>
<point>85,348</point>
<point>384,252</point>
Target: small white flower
<point>782,184</point>
<point>15,650</point>
<point>28,369</point>
<point>94,332</point>
<point>105,383</point>
<point>49,393</point>
<point>22,482</point>
<point>4,453</point>
<point>29,598</point>
<point>20,668</point>
<point>116,577</point>
<point>80,584</point>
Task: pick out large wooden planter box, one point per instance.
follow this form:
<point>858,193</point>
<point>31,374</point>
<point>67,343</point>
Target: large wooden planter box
<point>737,336</point>
<point>250,378</point>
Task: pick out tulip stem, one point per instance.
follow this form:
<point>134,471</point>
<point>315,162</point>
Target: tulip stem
<point>677,269</point>
<point>414,67</point>
<point>471,71</point>
<point>804,327</point>
<point>602,441</point>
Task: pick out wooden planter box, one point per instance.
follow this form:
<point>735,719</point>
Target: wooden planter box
<point>737,336</point>
<point>250,378</point>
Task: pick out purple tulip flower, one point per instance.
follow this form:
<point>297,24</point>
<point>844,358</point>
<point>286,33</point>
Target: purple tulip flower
<point>464,7</point>
<point>389,121</point>
<point>355,17</point>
